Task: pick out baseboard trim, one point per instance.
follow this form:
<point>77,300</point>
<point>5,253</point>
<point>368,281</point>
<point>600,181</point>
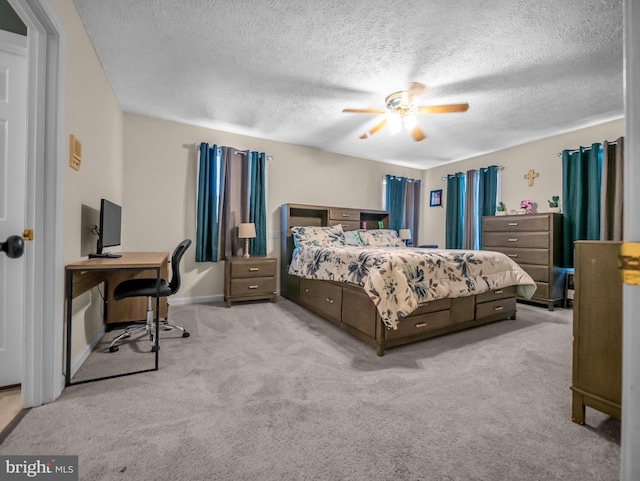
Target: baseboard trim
<point>84,354</point>
<point>195,300</point>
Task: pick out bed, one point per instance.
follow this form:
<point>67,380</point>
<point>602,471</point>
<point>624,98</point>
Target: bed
<point>382,292</point>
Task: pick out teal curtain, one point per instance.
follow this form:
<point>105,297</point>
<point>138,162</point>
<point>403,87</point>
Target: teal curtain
<point>257,203</point>
<point>395,200</point>
<point>231,190</point>
<point>455,211</point>
<point>581,179</point>
<point>207,220</point>
<point>488,190</point>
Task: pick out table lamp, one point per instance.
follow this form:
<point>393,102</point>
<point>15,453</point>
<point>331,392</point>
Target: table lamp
<point>405,235</point>
<point>246,231</point>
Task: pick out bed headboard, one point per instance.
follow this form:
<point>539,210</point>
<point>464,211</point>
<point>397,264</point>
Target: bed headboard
<point>315,215</point>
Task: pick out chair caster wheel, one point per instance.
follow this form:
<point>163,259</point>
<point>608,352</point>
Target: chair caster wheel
<point>114,349</point>
<point>155,348</point>
<point>185,334</point>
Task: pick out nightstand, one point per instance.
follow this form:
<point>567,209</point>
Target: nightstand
<point>250,278</point>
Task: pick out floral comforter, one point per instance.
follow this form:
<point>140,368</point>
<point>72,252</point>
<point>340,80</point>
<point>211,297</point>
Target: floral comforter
<point>398,279</point>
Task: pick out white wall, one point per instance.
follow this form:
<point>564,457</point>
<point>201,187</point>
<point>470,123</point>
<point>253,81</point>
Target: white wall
<point>542,156</point>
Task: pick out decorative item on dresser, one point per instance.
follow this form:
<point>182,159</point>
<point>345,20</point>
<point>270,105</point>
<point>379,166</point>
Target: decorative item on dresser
<point>597,330</point>
<point>250,278</point>
<point>535,242</point>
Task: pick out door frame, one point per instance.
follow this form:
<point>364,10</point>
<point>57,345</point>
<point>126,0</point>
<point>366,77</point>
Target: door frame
<point>42,379</point>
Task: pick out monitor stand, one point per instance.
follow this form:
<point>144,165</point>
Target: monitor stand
<point>105,255</point>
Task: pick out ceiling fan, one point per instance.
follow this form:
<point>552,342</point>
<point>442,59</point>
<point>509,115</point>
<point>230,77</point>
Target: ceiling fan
<point>401,111</point>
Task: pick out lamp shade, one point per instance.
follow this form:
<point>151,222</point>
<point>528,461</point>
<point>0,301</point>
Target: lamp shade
<point>404,234</point>
<point>247,230</point>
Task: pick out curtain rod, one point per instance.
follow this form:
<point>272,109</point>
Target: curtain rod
<point>615,142</point>
<point>269,157</point>
<point>500,167</point>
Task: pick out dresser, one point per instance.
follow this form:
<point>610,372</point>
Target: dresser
<point>534,241</point>
<point>250,278</point>
<point>597,330</point>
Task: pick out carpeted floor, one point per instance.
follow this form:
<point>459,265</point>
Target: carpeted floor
<point>265,391</point>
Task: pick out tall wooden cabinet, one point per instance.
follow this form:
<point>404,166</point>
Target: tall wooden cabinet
<point>597,329</point>
<point>534,241</point>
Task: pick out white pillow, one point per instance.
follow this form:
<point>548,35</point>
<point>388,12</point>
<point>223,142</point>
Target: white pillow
<point>381,238</point>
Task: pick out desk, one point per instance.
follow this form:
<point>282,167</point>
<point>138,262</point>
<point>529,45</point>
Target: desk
<point>85,275</point>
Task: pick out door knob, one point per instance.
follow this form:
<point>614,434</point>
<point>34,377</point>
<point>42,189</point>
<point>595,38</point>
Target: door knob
<point>13,246</point>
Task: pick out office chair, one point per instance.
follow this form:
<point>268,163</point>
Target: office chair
<point>147,288</point>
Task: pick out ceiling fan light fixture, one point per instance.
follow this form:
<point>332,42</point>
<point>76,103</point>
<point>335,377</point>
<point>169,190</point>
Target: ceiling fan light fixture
<point>409,120</point>
<point>394,121</point>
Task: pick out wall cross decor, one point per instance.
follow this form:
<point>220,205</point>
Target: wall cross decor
<point>532,174</point>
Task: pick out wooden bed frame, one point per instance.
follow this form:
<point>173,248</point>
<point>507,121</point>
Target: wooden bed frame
<point>350,308</point>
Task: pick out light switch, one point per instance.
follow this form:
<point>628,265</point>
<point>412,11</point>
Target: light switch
<point>75,152</point>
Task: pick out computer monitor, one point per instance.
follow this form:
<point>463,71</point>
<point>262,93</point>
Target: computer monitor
<point>109,228</point>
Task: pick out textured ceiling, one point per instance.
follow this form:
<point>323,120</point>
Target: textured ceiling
<point>284,69</point>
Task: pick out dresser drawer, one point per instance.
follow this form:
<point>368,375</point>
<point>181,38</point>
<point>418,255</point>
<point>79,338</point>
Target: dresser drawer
<point>501,307</point>
<point>525,256</point>
<point>496,294</point>
<point>539,240</point>
<point>415,325</point>
<point>542,290</point>
<point>253,268</point>
<point>252,286</point>
<point>537,273</point>
<point>344,215</point>
<point>520,223</point>
<point>322,297</point>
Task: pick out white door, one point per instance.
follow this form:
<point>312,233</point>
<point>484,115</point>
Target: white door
<point>13,128</point>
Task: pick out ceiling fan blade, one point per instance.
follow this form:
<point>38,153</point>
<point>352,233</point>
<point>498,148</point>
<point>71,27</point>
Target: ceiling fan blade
<point>418,134</point>
<point>364,111</point>
<point>414,90</point>
<point>442,109</point>
<point>374,129</point>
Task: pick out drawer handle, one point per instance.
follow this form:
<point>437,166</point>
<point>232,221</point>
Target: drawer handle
<point>513,223</point>
<point>253,287</point>
<point>420,325</point>
<point>306,290</point>
<point>254,269</point>
<point>329,300</point>
<point>512,240</point>
<point>498,292</point>
<point>512,255</point>
<point>498,308</point>
<point>346,215</point>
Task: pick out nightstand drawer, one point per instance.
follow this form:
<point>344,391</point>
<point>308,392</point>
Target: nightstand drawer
<point>253,286</point>
<point>253,268</point>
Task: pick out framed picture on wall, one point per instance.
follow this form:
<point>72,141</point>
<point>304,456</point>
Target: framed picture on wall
<point>436,198</point>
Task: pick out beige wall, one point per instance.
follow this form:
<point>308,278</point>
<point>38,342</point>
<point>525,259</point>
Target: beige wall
<point>94,116</point>
<point>541,155</point>
<point>160,188</point>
